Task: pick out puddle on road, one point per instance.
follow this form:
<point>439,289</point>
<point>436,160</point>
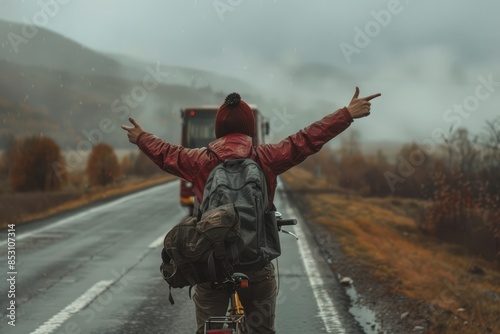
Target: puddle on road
<point>362,314</point>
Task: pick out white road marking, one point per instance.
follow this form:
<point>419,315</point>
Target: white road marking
<point>74,218</point>
<point>57,320</point>
<point>327,310</point>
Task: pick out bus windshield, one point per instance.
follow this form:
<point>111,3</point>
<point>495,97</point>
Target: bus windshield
<point>200,130</point>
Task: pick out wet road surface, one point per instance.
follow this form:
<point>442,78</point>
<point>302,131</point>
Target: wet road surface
<point>96,270</point>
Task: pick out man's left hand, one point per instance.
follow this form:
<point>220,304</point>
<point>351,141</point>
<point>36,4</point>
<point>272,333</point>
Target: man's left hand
<point>133,131</point>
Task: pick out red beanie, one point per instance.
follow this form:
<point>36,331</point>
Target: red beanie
<point>234,116</point>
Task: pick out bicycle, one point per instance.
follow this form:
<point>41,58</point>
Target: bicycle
<point>234,321</point>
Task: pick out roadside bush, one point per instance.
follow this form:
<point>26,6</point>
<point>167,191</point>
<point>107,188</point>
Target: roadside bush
<point>462,212</point>
<point>351,171</point>
<point>8,143</point>
<point>451,205</point>
<point>127,165</point>
<point>76,179</point>
<point>418,182</point>
<point>138,164</point>
<point>323,164</point>
<point>465,201</point>
<point>376,184</point>
<point>4,170</point>
<point>102,166</point>
<point>31,165</point>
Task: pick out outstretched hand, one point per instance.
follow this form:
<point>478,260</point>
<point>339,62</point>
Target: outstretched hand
<point>133,131</point>
<point>360,107</point>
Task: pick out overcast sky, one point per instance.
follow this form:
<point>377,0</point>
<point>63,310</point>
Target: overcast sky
<point>426,57</point>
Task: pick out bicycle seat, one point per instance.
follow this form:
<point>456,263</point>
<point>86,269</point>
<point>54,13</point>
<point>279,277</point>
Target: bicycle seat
<point>239,277</point>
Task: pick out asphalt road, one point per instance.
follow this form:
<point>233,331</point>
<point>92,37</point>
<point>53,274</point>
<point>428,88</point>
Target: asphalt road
<point>96,270</point>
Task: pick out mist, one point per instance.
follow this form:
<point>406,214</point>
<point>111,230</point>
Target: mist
<point>299,58</point>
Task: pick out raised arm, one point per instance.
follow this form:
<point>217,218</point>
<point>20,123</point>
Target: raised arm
<point>296,148</point>
<point>174,159</point>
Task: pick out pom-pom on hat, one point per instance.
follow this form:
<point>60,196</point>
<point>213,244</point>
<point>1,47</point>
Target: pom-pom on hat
<point>234,116</point>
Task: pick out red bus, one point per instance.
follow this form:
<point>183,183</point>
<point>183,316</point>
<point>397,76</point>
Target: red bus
<point>198,130</point>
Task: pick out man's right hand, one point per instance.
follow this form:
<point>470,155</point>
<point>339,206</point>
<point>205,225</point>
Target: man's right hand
<point>360,107</point>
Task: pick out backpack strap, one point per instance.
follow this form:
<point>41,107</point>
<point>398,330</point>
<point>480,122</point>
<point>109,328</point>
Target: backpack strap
<point>170,298</point>
<point>225,268</point>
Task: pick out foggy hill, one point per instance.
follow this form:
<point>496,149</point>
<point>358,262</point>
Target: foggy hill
<point>63,105</point>
<point>36,46</point>
<point>191,77</point>
<point>39,47</point>
<point>56,87</point>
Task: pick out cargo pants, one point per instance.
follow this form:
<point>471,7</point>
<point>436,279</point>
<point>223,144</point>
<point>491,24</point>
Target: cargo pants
<point>259,301</point>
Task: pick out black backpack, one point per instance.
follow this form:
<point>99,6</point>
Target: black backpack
<point>242,182</point>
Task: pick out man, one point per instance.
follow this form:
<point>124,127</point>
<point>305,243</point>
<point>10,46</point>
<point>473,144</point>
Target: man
<point>234,129</point>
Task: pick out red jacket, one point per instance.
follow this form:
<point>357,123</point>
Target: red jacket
<point>194,165</point>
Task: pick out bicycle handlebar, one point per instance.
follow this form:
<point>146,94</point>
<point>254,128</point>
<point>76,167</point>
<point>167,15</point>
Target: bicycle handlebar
<point>287,222</point>
<point>280,221</point>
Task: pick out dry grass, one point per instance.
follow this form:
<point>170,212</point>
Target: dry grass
<point>382,236</point>
<point>17,208</point>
